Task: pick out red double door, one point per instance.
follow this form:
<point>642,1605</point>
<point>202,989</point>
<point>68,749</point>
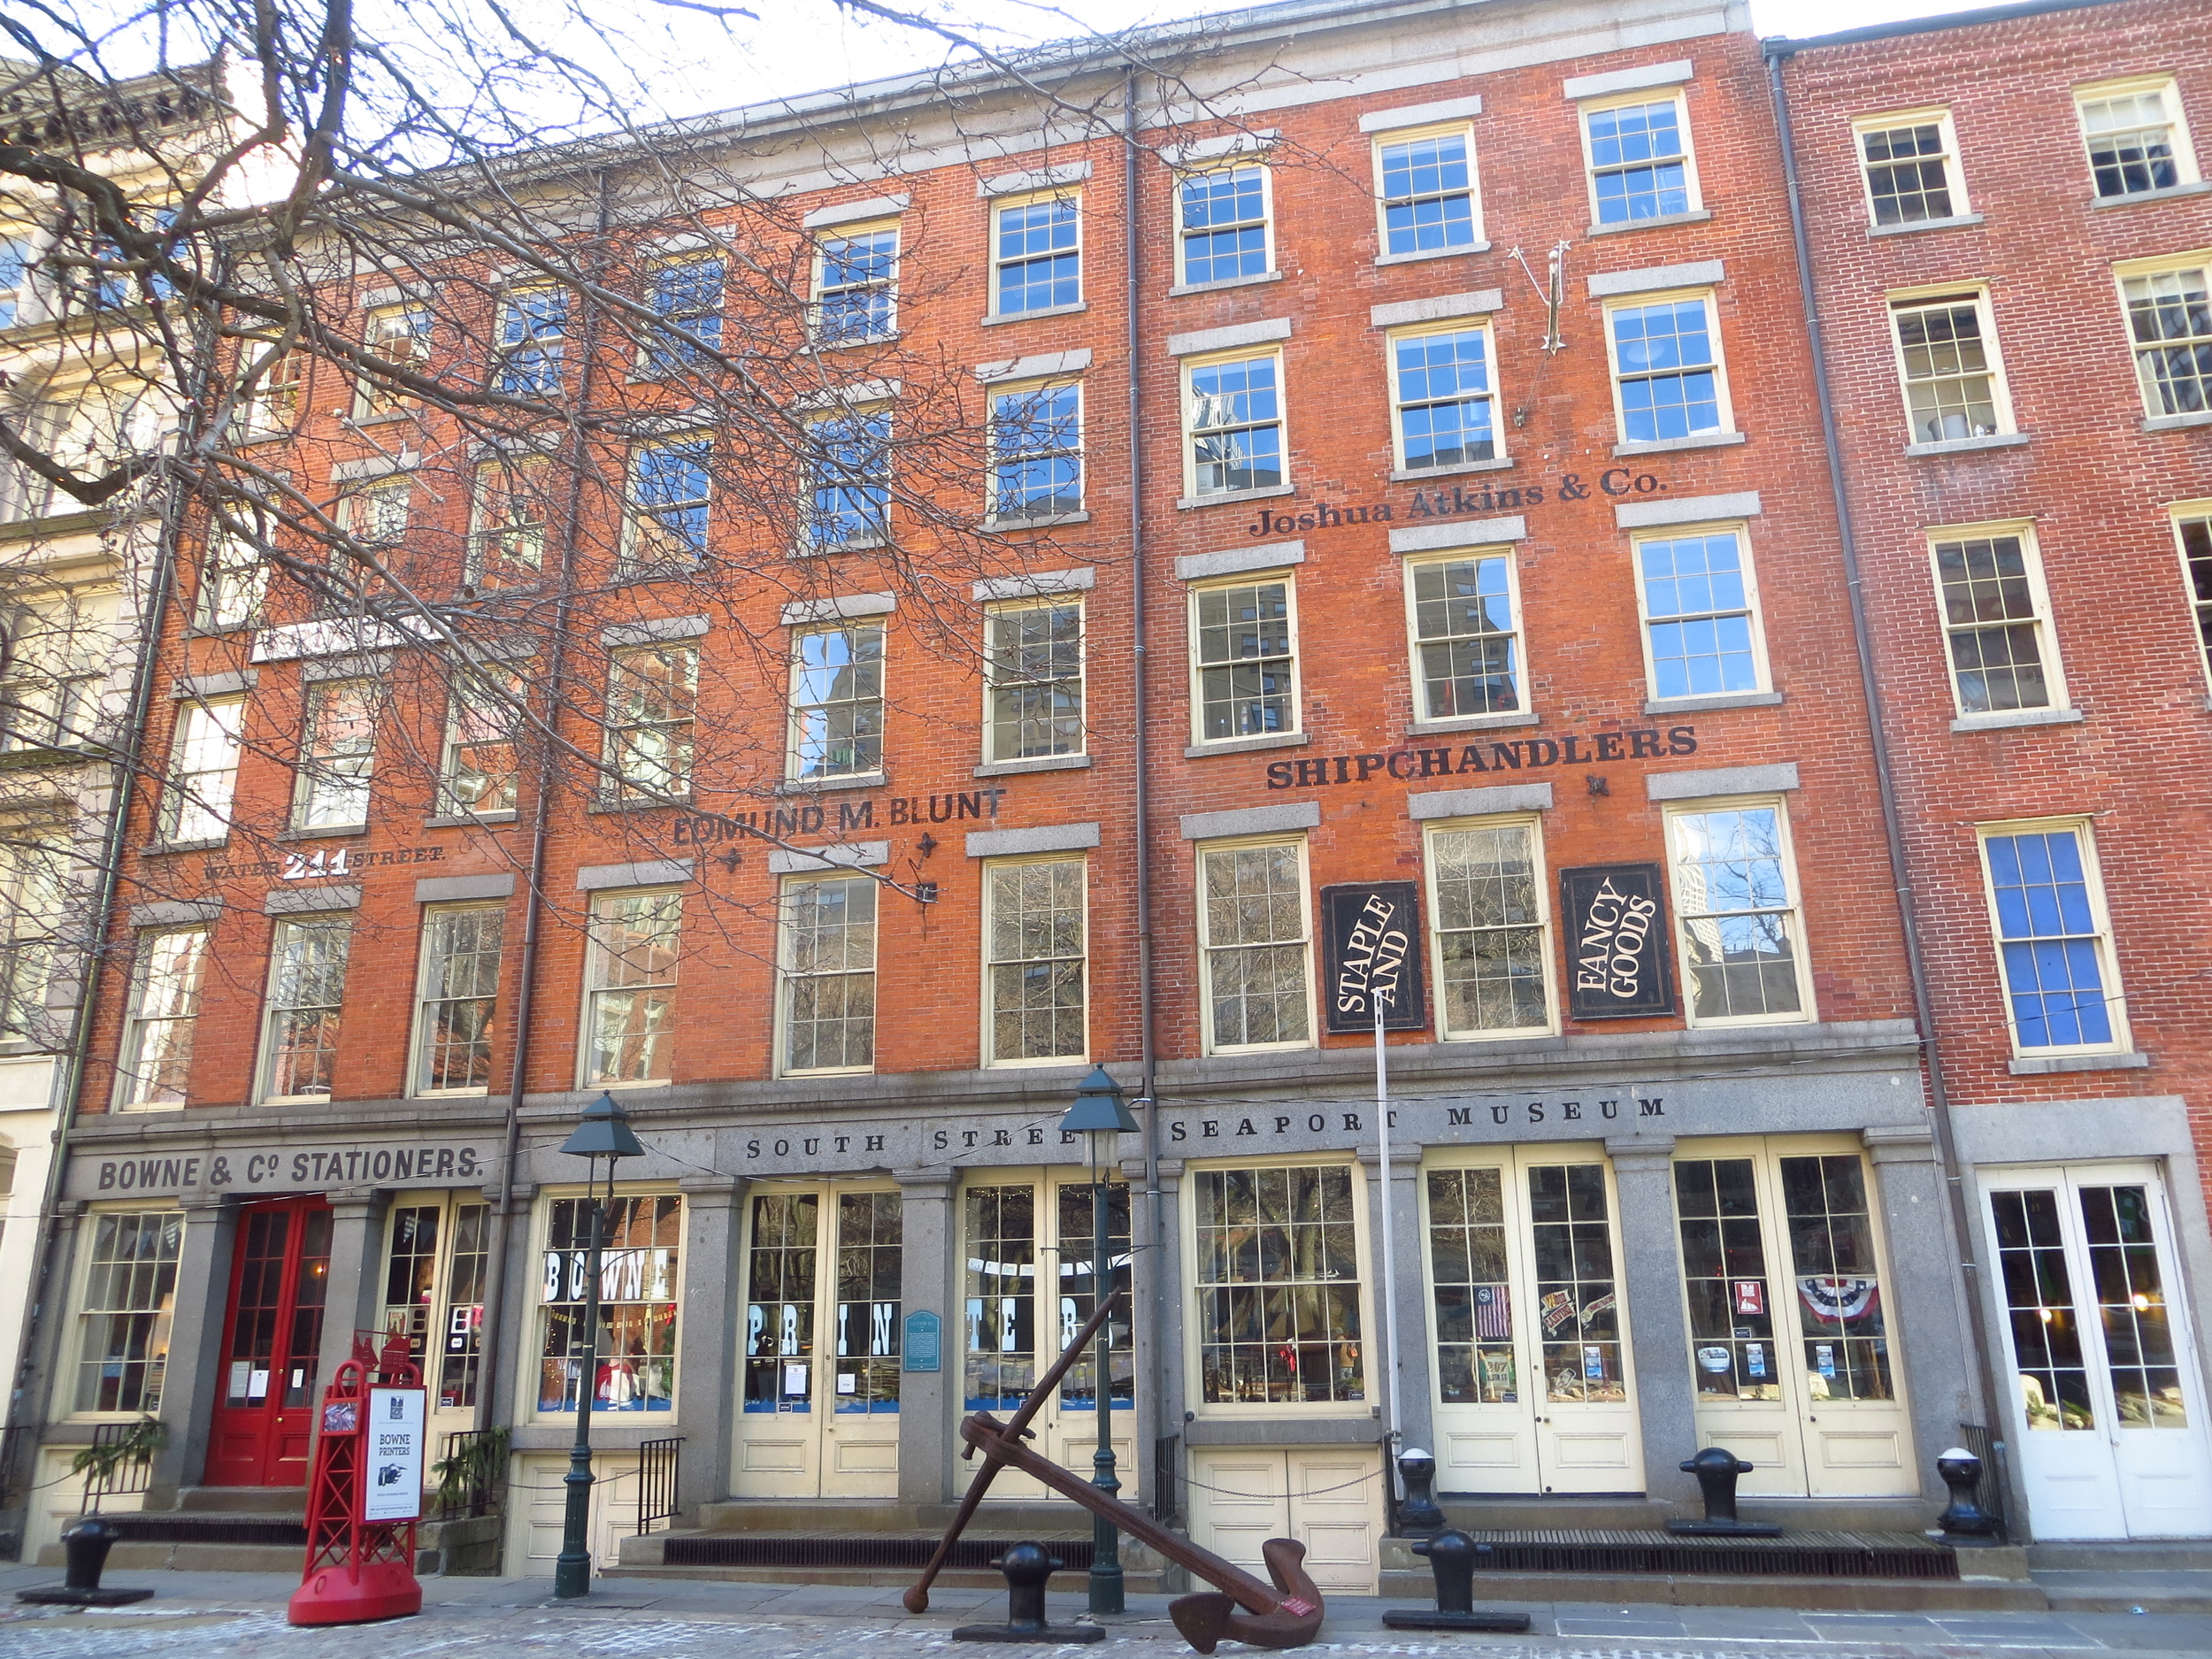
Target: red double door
<point>264,1413</point>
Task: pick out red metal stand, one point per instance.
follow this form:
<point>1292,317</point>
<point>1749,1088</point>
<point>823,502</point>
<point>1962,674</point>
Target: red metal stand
<point>357,1570</point>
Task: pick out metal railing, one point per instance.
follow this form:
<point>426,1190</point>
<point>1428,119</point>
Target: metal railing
<point>1989,1490</point>
<point>1164,1493</point>
<point>469,1473</point>
<point>117,1477</point>
<point>657,1482</point>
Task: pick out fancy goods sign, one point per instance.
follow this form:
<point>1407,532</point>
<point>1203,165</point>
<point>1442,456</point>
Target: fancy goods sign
<point>1617,941</point>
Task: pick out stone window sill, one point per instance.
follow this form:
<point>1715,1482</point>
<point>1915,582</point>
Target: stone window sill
<point>1668,446</point>
<point>1414,475</point>
<point>1040,763</point>
<point>2013,718</point>
<point>1695,216</point>
<point>825,785</point>
<point>2039,1065</point>
<point>1245,745</point>
<point>463,820</point>
<point>858,544</point>
<point>334,832</point>
<point>605,805</point>
<point>1050,521</point>
<point>1180,289</point>
<point>1417,256</point>
<point>1472,723</point>
<point>1229,497</point>
<point>2175,423</point>
<point>2196,188</point>
<point>156,850</point>
<point>1715,700</point>
<point>815,347</point>
<point>1952,223</point>
<point>1967,446</point>
<point>1031,316</point>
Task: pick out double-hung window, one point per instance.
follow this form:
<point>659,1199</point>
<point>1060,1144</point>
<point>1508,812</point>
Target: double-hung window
<point>1667,368</point>
<point>630,986</point>
<point>479,775</point>
<point>396,338</point>
<point>337,751</point>
<point>1036,452</point>
<point>1638,149</point>
<point>828,964</point>
<point>849,480</point>
<point>1461,611</point>
<point>1489,928</point>
<point>233,577</point>
<point>307,989</point>
<point>2137,139</point>
<point>1222,225</point>
<point>1946,355</point>
<point>2193,529</point>
<point>2054,938</point>
<point>1034,675</point>
<point>203,772</point>
<point>507,522</point>
<point>1278,1286</point>
<point>531,339</point>
<point>1910,166</point>
<point>837,702</point>
<point>156,1064</point>
<point>1034,952</point>
<point>1037,255</point>
<point>1441,398</point>
<point>1255,946</point>
<point>1425,186</point>
<point>652,694</point>
<point>270,407</point>
<point>1738,912</point>
<point>53,663</point>
<point>456,998</point>
<point>641,1239</point>
<point>686,294</point>
<point>129,1294</point>
<point>1244,659</point>
<point>2170,326</point>
<point>34,867</point>
<point>1701,605</point>
<point>1232,422</point>
<point>15,280</point>
<point>856,285</point>
<point>668,504</point>
<point>373,520</point>
<point>1996,620</point>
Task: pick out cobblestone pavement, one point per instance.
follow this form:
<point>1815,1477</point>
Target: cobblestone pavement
<point>195,1615</point>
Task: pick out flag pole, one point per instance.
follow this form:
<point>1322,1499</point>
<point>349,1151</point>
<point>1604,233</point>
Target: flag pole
<point>1389,1252</point>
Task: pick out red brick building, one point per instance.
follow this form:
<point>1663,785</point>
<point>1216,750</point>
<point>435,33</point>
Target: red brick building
<point>2008,230</point>
<point>1478,552</point>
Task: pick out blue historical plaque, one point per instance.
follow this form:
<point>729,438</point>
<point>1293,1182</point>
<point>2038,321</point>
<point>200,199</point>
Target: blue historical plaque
<point>1371,946</point>
<point>1615,920</point>
<point>925,1342</point>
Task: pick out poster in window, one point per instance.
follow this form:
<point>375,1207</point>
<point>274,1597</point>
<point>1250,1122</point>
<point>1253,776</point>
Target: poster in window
<point>1372,938</point>
<point>1615,918</point>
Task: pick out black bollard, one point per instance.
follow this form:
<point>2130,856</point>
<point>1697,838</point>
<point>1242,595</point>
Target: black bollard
<point>1026,1567</point>
<point>1418,1515</point>
<point>1717,1470</point>
<point>1452,1558</point>
<point>1966,1522</point>
<point>87,1544</point>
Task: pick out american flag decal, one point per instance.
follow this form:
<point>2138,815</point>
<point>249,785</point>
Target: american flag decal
<point>1494,1314</point>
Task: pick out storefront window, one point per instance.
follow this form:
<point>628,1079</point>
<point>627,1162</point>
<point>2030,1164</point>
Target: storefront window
<point>1724,1269</point>
<point>1278,1286</point>
<point>1000,1296</point>
<point>869,1272</point>
<point>1079,1292</point>
<point>1838,1283</point>
<point>431,1243</point>
<point>779,1308</point>
<point>1474,1309</point>
<point>2040,1303</point>
<point>637,1305</point>
<point>1578,1302</point>
<point>124,1352</point>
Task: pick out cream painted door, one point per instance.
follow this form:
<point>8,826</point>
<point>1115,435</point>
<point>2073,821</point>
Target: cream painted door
<point>1790,1350</point>
<point>820,1415</point>
<point>1527,1324</point>
<point>2108,1410</point>
<point>1329,1498</point>
<point>1027,1288</point>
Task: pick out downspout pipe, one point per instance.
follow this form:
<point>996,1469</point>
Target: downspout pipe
<point>488,1393</point>
<point>1140,793</point>
<point>1993,1393</point>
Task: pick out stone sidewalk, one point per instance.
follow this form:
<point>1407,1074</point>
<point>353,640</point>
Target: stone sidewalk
<point>196,1614</point>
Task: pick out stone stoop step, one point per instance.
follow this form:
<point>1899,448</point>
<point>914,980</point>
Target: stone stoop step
<point>819,1553</point>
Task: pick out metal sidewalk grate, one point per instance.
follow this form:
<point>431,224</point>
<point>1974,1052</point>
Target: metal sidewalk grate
<point>772,1550</point>
<point>1794,1554</point>
<point>179,1529</point>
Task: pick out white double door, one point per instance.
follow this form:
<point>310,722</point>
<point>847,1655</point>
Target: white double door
<point>1027,1288</point>
<point>818,1416</point>
<point>1527,1324</point>
<point>2107,1405</point>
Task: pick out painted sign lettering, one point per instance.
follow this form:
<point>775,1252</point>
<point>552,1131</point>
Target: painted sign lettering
<point>1616,936</point>
<point>1529,754</point>
<point>1371,932</point>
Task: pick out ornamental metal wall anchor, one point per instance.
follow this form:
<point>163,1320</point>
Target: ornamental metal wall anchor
<point>1026,1567</point>
<point>1452,1557</point>
<point>1717,1470</point>
<point>87,1544</point>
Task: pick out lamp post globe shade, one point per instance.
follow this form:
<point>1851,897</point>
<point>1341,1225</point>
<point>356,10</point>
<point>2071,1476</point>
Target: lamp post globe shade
<point>1099,1107</point>
<point>605,1133</point>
